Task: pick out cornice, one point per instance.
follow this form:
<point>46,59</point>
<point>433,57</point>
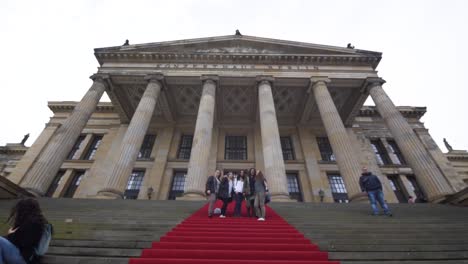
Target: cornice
<point>68,106</point>
<point>406,111</point>
<point>220,58</point>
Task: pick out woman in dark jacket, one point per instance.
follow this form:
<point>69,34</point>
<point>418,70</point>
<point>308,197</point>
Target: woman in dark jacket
<point>224,194</point>
<point>27,225</point>
<point>250,197</point>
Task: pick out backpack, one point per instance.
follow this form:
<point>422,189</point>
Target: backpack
<point>44,242</point>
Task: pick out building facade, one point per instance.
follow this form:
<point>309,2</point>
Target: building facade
<point>181,109</point>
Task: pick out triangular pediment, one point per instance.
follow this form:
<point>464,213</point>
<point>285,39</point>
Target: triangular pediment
<point>236,45</point>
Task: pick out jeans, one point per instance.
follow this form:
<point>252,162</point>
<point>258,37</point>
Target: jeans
<point>377,196</point>
<point>239,199</point>
<point>260,204</point>
<point>9,253</point>
<point>211,201</point>
<point>224,207</point>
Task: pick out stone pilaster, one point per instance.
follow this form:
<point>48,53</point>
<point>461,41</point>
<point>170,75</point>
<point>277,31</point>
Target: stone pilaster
<point>345,157</point>
<point>133,138</point>
<point>275,171</point>
<point>42,173</point>
<point>432,181</point>
<point>201,146</point>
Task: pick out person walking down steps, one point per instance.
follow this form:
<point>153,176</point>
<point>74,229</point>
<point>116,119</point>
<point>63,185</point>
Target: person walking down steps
<point>373,187</point>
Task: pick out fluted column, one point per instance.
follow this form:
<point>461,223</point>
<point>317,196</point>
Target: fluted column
<point>201,146</point>
<point>132,140</point>
<point>275,171</point>
<point>425,170</point>
<point>345,158</point>
<point>41,175</point>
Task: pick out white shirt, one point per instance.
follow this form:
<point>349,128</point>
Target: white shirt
<point>239,186</point>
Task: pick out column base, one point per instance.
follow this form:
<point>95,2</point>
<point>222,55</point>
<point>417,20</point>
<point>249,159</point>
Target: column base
<point>192,196</point>
<point>281,197</point>
<point>36,193</point>
<point>437,198</point>
<point>109,194</point>
<point>359,198</point>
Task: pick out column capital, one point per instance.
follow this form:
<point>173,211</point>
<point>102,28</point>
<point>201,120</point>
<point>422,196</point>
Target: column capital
<point>210,78</point>
<point>265,78</point>
<point>372,82</point>
<point>156,77</point>
<point>99,77</point>
<point>316,80</point>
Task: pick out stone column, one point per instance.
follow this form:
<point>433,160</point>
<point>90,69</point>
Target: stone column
<point>201,146</point>
<point>275,171</point>
<point>345,157</point>
<point>425,170</point>
<point>133,138</point>
<point>42,173</point>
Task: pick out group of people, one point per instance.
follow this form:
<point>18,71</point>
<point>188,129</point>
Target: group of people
<point>250,186</point>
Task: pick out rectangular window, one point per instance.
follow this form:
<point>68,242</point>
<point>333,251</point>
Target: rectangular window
<point>339,192</point>
<point>73,155</point>
<point>293,187</point>
<point>420,197</point>
<point>395,183</point>
<point>380,152</point>
<point>185,147</point>
<point>235,148</point>
<point>97,139</point>
<point>146,147</point>
<point>396,151</point>
<point>326,151</point>
<point>178,185</point>
<point>134,184</point>
<point>75,182</point>
<point>288,149</point>
<point>55,183</point>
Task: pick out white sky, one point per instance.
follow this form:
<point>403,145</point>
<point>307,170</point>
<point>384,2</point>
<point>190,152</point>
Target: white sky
<point>47,47</point>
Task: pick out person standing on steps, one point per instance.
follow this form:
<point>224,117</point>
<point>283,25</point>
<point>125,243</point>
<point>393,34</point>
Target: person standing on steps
<point>29,235</point>
<point>250,197</point>
<point>239,193</point>
<point>261,188</point>
<point>371,184</point>
<point>212,186</point>
<point>224,194</point>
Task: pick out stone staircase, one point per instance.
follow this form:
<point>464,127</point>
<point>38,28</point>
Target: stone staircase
<point>105,231</point>
<point>111,231</point>
<point>417,233</point>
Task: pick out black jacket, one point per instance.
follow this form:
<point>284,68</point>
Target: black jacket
<point>224,192</point>
<point>211,184</point>
<point>369,182</point>
<point>26,238</point>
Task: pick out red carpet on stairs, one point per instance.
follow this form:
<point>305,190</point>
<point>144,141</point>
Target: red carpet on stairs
<point>233,240</point>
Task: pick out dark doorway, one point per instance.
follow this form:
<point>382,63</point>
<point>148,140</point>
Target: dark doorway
<point>294,187</point>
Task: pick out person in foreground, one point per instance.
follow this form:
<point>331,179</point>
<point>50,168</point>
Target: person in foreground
<point>371,184</point>
<point>29,235</point>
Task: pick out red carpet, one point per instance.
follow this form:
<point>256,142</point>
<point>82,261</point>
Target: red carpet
<point>230,240</point>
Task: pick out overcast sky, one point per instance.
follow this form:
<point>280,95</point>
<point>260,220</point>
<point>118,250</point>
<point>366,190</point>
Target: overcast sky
<point>47,48</point>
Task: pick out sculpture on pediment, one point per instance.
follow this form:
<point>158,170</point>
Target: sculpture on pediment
<point>24,139</point>
<point>447,145</point>
<point>238,33</point>
<point>126,43</point>
<point>350,46</point>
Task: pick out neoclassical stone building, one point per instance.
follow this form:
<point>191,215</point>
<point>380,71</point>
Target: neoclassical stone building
<point>180,109</point>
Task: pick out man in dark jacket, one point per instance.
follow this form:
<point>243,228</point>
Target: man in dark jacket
<point>371,184</point>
